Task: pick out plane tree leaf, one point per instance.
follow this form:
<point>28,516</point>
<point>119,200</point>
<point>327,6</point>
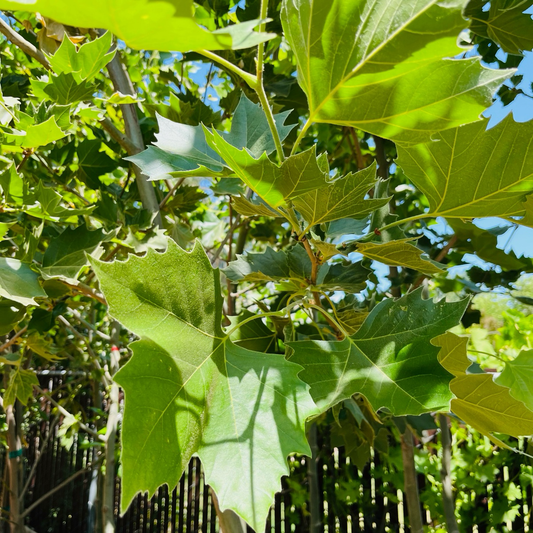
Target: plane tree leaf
<point>18,282</point>
<point>504,22</point>
<point>167,25</point>
<point>484,244</point>
<point>517,376</point>
<point>269,265</point>
<point>274,183</point>
<point>11,313</point>
<point>294,266</point>
<point>66,253</point>
<point>389,360</point>
<point>479,401</point>
<point>42,134</point>
<point>250,208</point>
<point>64,89</point>
<point>20,386</point>
<point>342,198</point>
<point>253,335</point>
<point>182,150</point>
<point>398,253</point>
<point>379,66</point>
<point>85,62</point>
<point>190,390</point>
<point>45,202</point>
<point>472,172</point>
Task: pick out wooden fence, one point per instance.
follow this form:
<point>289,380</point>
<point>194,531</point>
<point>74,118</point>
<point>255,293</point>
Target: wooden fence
<point>370,501</point>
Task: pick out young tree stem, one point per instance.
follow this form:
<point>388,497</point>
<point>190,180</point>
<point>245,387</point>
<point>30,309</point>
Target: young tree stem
<point>23,44</point>
<point>445,475</point>
<point>411,482</point>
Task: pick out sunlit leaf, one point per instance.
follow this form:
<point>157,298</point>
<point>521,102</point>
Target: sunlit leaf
<point>342,198</point>
<point>398,253</point>
<point>379,66</point>
<point>18,282</point>
<point>479,401</point>
<point>389,360</point>
<point>504,22</point>
<point>518,377</point>
<point>166,24</point>
<point>84,62</point>
<point>190,388</point>
<point>472,172</point>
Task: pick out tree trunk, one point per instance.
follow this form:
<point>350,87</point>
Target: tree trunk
<point>315,510</point>
<point>13,442</point>
<point>108,498</point>
<point>445,476</point>
<point>411,483</point>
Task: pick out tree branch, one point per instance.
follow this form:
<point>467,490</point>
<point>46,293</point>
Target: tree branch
<point>445,475</point>
<point>12,340</point>
<point>122,83</point>
<point>23,44</point>
<point>118,136</point>
<point>64,412</point>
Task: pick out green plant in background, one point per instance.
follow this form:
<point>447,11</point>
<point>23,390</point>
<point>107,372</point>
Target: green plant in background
<point>240,243</point>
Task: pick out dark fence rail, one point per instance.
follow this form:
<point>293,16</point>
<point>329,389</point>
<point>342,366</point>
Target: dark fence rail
<point>369,501</point>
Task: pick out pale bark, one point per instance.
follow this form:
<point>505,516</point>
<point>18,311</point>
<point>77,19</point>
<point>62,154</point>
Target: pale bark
<point>411,483</point>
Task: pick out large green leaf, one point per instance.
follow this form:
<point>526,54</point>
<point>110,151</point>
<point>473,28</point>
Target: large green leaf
<point>166,25</point>
<point>298,174</point>
<point>518,377</point>
<point>189,389</point>
<point>181,150</point>
<point>84,62</point>
<point>504,22</point>
<point>379,65</point>
<point>343,197</point>
<point>389,359</point>
<point>398,253</point>
<point>18,282</point>
<point>472,172</point>
<point>479,401</point>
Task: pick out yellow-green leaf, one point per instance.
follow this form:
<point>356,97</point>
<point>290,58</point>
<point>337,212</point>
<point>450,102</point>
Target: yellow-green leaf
<point>398,253</point>
<point>479,401</point>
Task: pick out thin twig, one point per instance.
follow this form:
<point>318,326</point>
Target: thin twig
<point>171,192</point>
<point>122,83</point>
<point>64,412</point>
<point>357,150</point>
<point>13,339</point>
<point>232,228</point>
<point>78,316</point>
<point>87,291</point>
<point>77,334</point>
<point>23,44</point>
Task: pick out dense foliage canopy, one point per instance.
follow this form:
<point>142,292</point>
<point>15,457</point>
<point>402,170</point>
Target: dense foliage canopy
<point>283,229</point>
